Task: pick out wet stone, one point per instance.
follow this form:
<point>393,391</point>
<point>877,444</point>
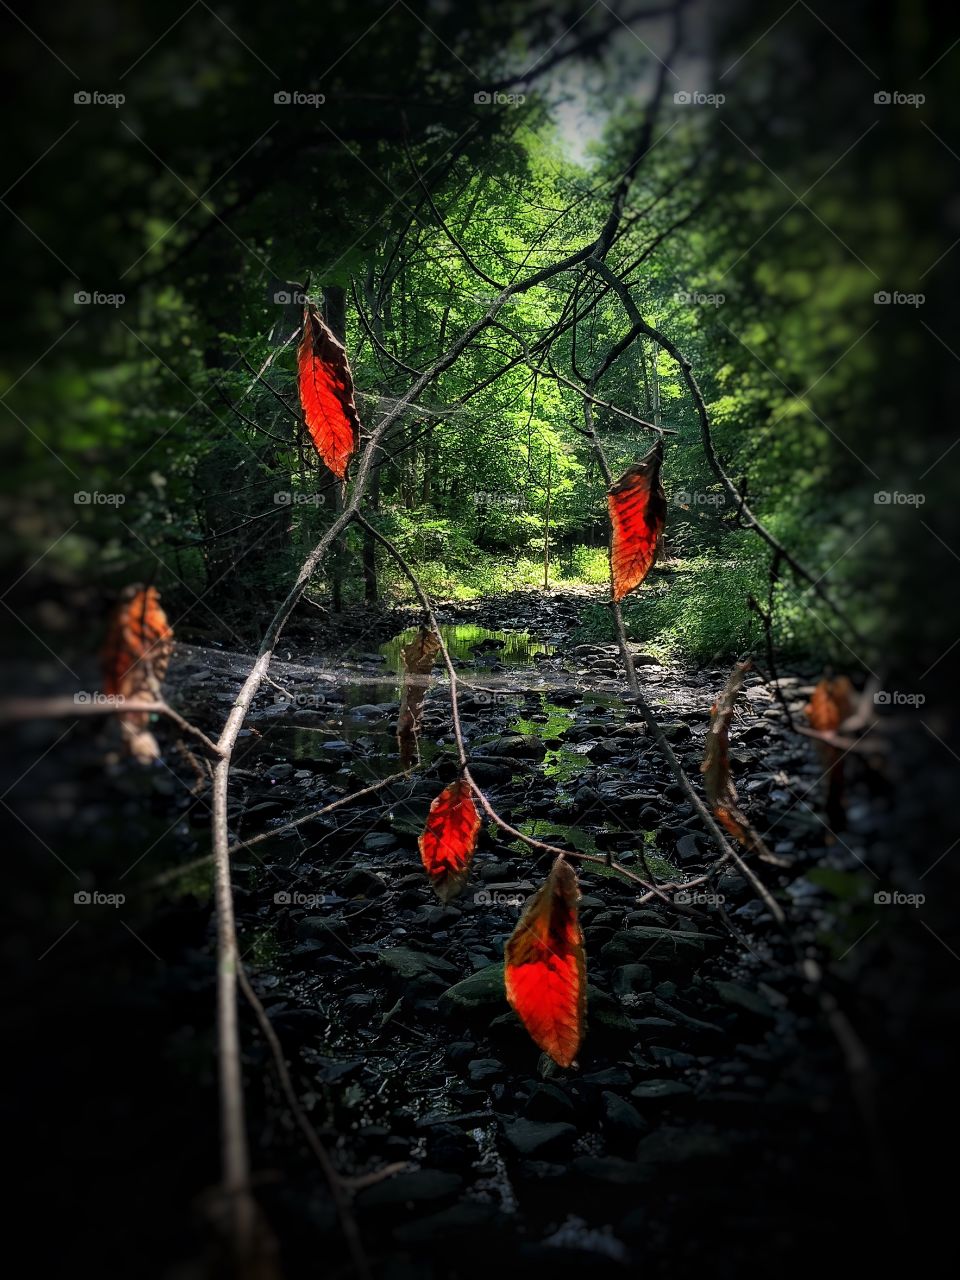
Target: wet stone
<point>418,1187</point>
<point>535,1137</point>
<point>661,1091</point>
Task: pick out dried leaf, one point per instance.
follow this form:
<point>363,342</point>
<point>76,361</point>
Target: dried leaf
<point>418,659</point>
<point>831,703</point>
<point>138,645</point>
<point>326,392</point>
<point>638,511</point>
<point>715,768</point>
<point>135,657</point>
<point>449,839</point>
<point>546,969</point>
<point>716,757</point>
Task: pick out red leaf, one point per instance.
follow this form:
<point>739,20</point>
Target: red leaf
<point>449,839</point>
<point>546,968</point>
<point>326,393</point>
<point>638,511</point>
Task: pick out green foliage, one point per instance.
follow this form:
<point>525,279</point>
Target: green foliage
<point>136,403</point>
<point>586,564</point>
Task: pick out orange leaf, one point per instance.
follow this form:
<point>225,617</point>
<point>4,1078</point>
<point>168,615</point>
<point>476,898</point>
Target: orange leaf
<point>326,392</point>
<point>638,510</point>
<point>715,768</point>
<point>418,659</point>
<point>546,968</point>
<point>449,839</point>
<point>138,644</point>
<point>135,657</point>
<point>831,702</point>
<point>716,757</point>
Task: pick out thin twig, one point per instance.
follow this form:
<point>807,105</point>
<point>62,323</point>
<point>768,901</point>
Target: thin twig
<point>62,708</point>
<point>341,1199</point>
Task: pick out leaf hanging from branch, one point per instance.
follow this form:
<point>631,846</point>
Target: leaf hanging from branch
<point>326,392</point>
<point>546,968</point>
<point>418,659</point>
<point>715,768</point>
<point>831,703</point>
<point>638,511</point>
<point>449,839</point>
<point>135,657</point>
<point>716,756</point>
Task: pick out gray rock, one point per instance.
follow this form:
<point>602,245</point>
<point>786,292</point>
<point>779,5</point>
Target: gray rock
<point>489,770</point>
<point>678,732</point>
<point>371,711</point>
<point>481,992</point>
<point>467,1218</point>
<point>539,1138</point>
<point>741,998</point>
<point>361,883</point>
<point>661,1090</point>
<point>516,746</point>
<point>547,1102</point>
<point>688,848</point>
<point>410,965</point>
<point>631,979</point>
<point>485,1070</point>
<point>421,1186</point>
<point>617,1077</point>
<point>380,841</point>
<point>612,1170</point>
<point>661,947</point>
<point>620,1119</point>
<point>606,1017</point>
<point>319,929</point>
<point>680,1146</point>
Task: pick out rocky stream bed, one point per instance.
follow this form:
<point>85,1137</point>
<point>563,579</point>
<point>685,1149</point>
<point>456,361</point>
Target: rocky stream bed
<point>712,1114</point>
